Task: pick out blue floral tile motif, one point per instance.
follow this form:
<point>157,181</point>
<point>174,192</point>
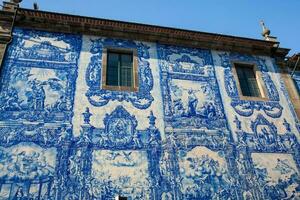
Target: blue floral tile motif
<point>60,166</point>
<point>258,150</point>
<point>190,91</point>
<point>100,97</point>
<point>120,127</point>
<point>272,108</point>
<point>33,161</point>
<point>39,74</point>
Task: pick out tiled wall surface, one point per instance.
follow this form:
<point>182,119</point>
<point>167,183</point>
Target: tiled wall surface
<point>186,133</point>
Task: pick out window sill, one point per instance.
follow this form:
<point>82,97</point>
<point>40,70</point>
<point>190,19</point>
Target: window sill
<point>120,88</point>
<point>249,98</point>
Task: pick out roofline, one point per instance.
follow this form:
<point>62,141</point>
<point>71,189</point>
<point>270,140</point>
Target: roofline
<point>147,25</point>
<point>76,24</point>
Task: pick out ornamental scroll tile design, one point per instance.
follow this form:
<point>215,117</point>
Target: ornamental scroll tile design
<point>100,97</point>
<point>120,126</point>
<point>190,91</point>
<point>264,137</point>
<point>196,166</point>
<point>272,108</point>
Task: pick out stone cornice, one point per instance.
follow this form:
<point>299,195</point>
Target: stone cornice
<point>58,22</point>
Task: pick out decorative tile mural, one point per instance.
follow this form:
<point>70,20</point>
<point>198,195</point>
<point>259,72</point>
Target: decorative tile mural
<point>204,174</point>
<point>38,79</point>
<point>278,175</point>
<point>189,87</point>
<point>185,134</point>
<point>121,172</point>
<point>27,169</point>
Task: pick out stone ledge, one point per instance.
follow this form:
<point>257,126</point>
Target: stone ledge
<point>49,21</point>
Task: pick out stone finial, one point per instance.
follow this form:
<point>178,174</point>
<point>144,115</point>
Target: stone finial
<point>266,32</point>
<point>35,6</point>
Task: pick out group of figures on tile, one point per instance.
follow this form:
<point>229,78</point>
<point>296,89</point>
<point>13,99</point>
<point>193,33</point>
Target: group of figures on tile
<point>195,155</point>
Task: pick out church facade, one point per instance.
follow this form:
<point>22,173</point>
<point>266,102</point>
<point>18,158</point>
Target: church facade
<point>179,125</point>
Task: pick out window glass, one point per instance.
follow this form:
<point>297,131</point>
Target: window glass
<point>112,69</point>
<point>126,70</point>
<point>247,80</point>
<point>119,69</point>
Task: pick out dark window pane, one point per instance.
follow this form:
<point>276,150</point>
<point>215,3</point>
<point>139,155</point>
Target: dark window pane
<point>126,70</point>
<point>119,69</point>
<point>248,81</point>
<point>113,59</point>
<point>126,60</point>
<point>126,77</point>
<point>112,69</point>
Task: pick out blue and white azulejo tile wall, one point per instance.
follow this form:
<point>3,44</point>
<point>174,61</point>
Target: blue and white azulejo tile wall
<point>185,134</point>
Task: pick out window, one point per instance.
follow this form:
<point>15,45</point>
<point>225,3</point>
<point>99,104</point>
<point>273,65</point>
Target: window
<point>119,69</point>
<point>249,81</point>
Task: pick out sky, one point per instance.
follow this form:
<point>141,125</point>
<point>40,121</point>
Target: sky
<point>229,17</point>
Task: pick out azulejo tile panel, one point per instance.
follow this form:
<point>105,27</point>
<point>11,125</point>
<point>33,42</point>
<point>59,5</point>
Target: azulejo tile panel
<point>42,156</point>
<point>204,174</point>
<point>278,175</point>
<point>119,171</point>
<point>38,78</point>
<point>36,103</point>
<point>189,87</point>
